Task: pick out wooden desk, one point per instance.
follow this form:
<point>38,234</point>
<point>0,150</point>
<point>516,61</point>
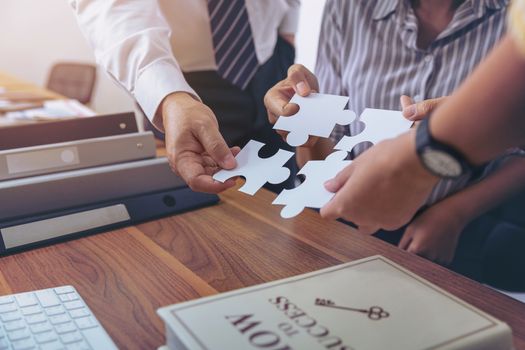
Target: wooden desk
<point>125,275</point>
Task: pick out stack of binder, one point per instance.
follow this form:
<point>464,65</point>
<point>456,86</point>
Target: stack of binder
<point>69,178</point>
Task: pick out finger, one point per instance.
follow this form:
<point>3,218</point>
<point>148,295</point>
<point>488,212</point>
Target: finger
<point>216,147</point>
<point>406,101</point>
<point>194,174</point>
<point>339,180</point>
<point>405,240</point>
<point>302,80</point>
<point>277,102</point>
<point>422,109</point>
<point>367,230</point>
<point>235,150</point>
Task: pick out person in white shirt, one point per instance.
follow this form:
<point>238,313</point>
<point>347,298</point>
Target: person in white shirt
<point>198,69</point>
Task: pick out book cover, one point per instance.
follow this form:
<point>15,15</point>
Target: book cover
<point>371,303</point>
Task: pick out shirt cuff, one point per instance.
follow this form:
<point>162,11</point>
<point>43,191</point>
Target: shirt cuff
<point>290,21</point>
<point>154,83</point>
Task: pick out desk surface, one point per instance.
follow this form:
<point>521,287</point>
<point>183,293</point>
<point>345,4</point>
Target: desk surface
<point>126,275</point>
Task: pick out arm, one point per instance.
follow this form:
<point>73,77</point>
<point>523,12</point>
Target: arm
<point>131,41</point>
<point>434,234</point>
<point>386,185</point>
<point>493,119</point>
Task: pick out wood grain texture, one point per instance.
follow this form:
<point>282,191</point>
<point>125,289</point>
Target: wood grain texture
<point>126,275</point>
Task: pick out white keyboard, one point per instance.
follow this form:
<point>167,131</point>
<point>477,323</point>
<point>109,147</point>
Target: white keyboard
<point>55,318</point>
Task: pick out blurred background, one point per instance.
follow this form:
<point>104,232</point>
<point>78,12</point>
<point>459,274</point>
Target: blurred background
<point>32,43</point>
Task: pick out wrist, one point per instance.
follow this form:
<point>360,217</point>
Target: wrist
<point>176,102</point>
<point>411,164</point>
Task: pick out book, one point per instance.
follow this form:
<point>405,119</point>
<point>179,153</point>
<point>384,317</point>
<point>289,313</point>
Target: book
<point>46,159</point>
<point>48,132</point>
<point>370,303</point>
<point>45,110</point>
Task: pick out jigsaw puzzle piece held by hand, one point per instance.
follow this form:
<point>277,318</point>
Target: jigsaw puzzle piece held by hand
<point>312,193</point>
<point>317,116</point>
<point>380,125</point>
<point>257,171</point>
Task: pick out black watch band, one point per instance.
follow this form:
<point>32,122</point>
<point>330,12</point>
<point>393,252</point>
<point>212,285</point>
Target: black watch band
<point>440,159</point>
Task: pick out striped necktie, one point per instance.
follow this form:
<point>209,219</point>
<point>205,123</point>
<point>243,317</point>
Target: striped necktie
<point>233,41</point>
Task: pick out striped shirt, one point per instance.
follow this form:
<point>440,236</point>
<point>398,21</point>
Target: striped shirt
<point>368,51</point>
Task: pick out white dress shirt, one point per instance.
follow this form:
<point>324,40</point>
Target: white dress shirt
<point>145,45</point>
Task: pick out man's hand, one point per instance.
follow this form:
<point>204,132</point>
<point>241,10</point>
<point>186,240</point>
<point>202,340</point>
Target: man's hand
<point>417,111</point>
<point>434,234</point>
<point>196,149</point>
<point>277,100</point>
<point>382,188</point>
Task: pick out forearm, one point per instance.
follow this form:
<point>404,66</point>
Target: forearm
<point>490,192</point>
<point>319,151</point>
<point>487,114</point>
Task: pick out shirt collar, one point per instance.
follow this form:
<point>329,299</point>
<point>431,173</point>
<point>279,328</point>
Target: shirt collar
<point>386,7</point>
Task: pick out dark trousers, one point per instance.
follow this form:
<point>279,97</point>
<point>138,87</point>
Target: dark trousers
<point>241,113</point>
<point>491,248</point>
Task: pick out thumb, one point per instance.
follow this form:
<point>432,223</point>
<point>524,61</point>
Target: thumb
<point>213,143</point>
<point>422,109</point>
<point>337,182</point>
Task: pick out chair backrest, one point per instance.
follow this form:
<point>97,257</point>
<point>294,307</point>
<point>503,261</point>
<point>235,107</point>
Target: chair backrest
<point>73,80</point>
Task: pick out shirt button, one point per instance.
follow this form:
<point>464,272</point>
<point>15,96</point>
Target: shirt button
<point>428,58</point>
<point>417,98</point>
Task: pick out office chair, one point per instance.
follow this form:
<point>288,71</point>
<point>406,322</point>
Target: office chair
<point>73,80</point>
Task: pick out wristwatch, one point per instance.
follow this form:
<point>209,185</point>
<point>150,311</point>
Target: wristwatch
<point>440,159</point>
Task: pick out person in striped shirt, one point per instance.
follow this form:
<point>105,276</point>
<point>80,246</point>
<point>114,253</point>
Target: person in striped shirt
<point>375,52</point>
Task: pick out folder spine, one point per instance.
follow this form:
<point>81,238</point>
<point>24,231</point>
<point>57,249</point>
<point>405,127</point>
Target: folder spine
<point>41,160</point>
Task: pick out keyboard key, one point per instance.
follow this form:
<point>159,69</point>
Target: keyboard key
<point>55,310</point>
<point>98,338</point>
<point>65,328</point>
<point>18,334</point>
<point>56,345</point>
<point>45,337</point>
<point>14,325</point>
<point>79,313</point>
<point>8,308</point>
<point>81,345</point>
<point>86,322</point>
<point>68,297</point>
<point>47,298</point>
<point>31,310</point>
<point>25,344</point>
<point>57,319</point>
<point>70,305</point>
<point>26,299</point>
<point>65,289</point>
<point>71,337</point>
<point>40,327</point>
<point>50,319</point>
<point>7,299</point>
<point>38,318</point>
<point>10,316</point>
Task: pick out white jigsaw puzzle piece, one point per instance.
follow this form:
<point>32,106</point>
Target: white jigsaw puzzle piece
<point>380,125</point>
<point>317,116</point>
<point>257,171</point>
<point>312,193</point>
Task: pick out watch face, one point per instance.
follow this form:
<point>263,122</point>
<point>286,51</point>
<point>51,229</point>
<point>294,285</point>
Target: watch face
<point>441,163</point>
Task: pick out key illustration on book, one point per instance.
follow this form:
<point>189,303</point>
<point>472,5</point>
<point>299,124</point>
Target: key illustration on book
<point>375,313</point>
